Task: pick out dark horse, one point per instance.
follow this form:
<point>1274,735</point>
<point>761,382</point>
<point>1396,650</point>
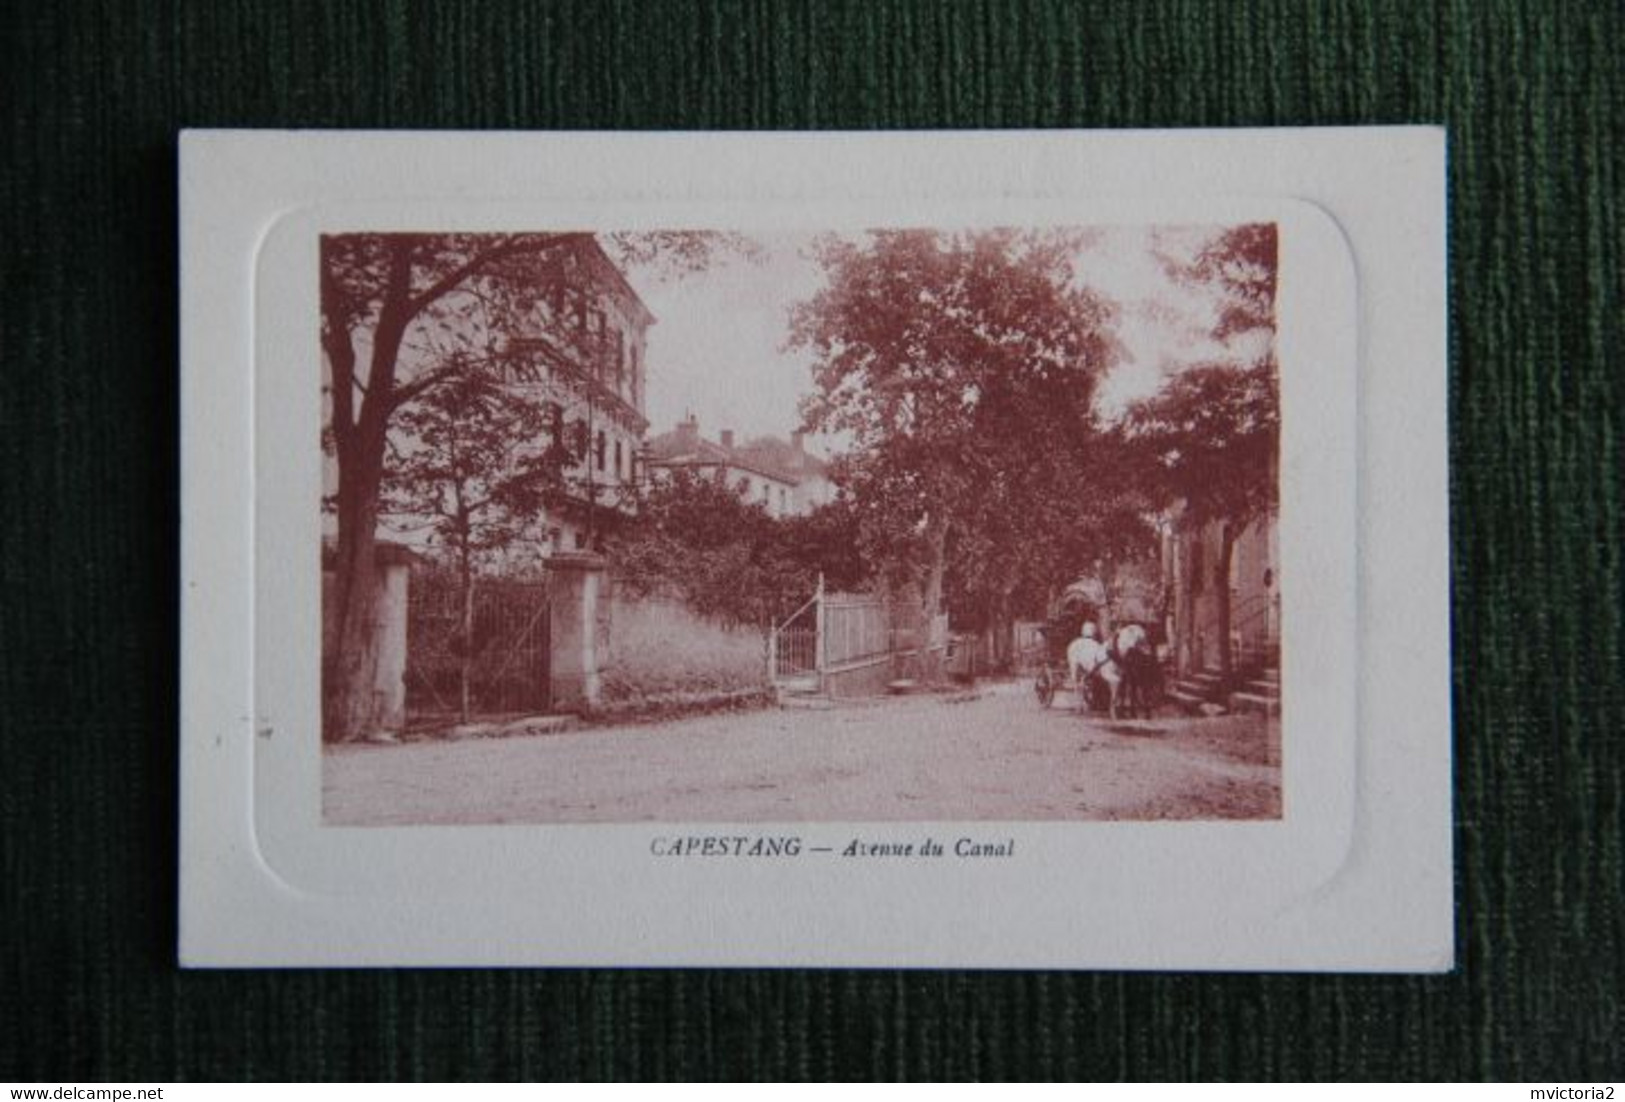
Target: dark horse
<point>1142,675</point>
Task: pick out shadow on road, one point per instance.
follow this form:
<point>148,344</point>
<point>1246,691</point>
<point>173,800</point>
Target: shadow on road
<point>1133,728</point>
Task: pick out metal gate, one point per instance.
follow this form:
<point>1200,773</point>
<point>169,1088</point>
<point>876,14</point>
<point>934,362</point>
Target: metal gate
<point>793,647</point>
<point>838,633</point>
<point>508,651</point>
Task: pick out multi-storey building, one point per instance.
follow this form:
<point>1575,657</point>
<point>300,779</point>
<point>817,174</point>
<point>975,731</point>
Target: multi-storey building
<point>579,345</point>
<point>572,337</point>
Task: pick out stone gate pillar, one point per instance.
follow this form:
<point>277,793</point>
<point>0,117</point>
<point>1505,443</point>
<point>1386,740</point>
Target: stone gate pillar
<point>386,639</point>
<point>394,564</point>
<point>577,596</point>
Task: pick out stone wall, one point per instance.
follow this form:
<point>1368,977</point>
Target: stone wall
<point>656,649</point>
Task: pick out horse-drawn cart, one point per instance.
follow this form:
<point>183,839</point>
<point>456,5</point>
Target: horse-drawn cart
<point>1049,679</point>
<point>1048,658</point>
<point>1137,671</point>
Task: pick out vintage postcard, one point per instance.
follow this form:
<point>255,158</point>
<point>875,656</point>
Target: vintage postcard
<point>950,550</point>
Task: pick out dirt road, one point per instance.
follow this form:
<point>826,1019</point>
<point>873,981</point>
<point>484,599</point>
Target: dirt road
<point>990,754</point>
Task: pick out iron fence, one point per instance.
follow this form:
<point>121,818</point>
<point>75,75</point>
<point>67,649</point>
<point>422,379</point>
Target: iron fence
<point>855,628</point>
<point>507,648</point>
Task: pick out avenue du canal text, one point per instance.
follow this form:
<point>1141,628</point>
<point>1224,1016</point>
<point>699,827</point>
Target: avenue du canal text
<point>792,845</point>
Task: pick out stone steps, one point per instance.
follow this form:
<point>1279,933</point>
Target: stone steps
<point>1196,689</point>
<point>1205,690</point>
<point>1186,699</point>
<point>1260,703</point>
<point>1260,694</point>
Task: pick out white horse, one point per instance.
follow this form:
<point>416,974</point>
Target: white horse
<point>1087,657</point>
<point>1130,636</point>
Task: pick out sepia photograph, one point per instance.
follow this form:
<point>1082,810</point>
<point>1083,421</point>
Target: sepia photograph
<point>941,523</point>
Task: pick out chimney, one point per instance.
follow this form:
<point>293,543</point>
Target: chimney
<point>688,431</point>
<point>728,438</point>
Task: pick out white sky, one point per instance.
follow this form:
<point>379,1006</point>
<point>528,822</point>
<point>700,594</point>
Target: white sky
<point>717,348</point>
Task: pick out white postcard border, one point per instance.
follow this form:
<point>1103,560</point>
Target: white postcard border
<point>264,883</point>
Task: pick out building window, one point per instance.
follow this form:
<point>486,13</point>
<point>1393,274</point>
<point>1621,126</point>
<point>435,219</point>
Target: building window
<point>618,472</point>
<point>598,449</point>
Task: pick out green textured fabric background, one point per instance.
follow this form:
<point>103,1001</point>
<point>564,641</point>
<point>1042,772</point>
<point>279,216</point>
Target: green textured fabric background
<point>1534,95</point>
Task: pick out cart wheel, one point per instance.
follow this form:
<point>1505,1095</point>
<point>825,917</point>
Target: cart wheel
<point>1044,688</point>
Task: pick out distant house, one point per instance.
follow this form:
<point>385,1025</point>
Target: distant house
<point>778,475</point>
<point>809,474</point>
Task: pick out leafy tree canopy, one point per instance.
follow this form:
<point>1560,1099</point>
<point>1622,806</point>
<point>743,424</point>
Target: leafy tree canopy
<point>699,540</point>
<point>394,309</point>
<point>1240,266</point>
<point>1210,437</point>
<point>963,367</point>
<point>471,465</point>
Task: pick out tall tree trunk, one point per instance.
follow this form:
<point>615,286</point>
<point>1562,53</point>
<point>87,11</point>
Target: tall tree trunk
<point>1106,569</point>
<point>931,599</point>
<point>352,705</point>
<point>1221,594</point>
<point>465,666</point>
<point>1004,631</point>
<point>352,701</point>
